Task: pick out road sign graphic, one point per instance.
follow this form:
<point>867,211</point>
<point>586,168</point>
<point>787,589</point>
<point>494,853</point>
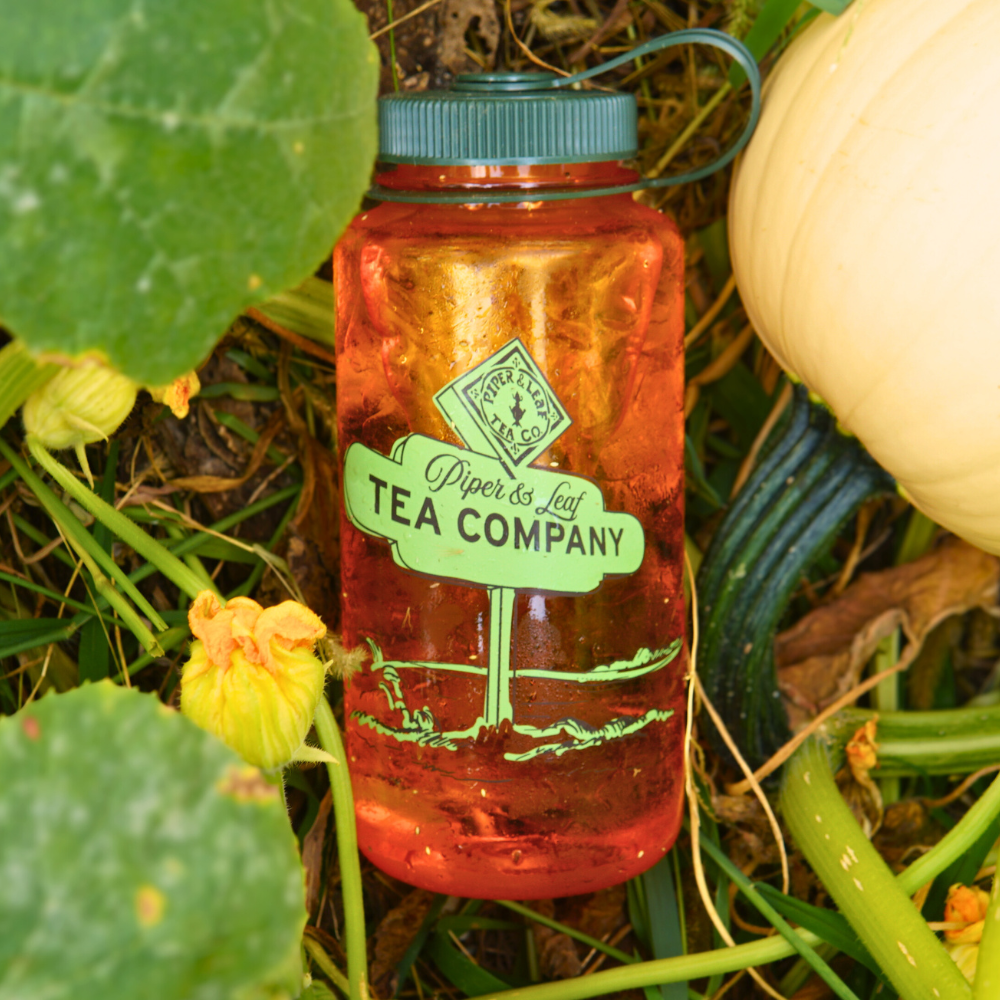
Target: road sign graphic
<point>483,516</point>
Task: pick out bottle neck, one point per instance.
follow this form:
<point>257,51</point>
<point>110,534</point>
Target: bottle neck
<point>435,177</point>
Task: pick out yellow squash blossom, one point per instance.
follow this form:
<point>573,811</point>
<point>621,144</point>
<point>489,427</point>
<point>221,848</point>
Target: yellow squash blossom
<point>966,906</point>
<point>253,679</point>
<point>79,405</point>
<point>87,400</point>
<point>178,394</point>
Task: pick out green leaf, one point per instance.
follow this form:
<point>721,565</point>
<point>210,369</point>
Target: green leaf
<point>739,398</point>
<point>318,990</point>
<point>835,7</point>
<point>460,972</point>
<point>664,920</point>
<point>164,166</point>
<point>417,944</point>
<point>307,310</point>
<point>771,21</point>
<point>18,635</point>
<point>775,16</point>
<point>961,871</point>
<point>831,926</point>
<point>20,376</point>
<point>140,859</point>
<point>94,659</point>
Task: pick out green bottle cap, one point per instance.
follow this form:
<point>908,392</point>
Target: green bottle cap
<point>495,119</point>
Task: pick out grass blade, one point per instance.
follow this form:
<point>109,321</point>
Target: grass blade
<point>125,529</point>
<point>749,890</point>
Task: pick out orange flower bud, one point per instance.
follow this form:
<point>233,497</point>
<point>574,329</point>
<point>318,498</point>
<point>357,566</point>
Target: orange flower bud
<point>966,904</point>
<point>252,679</point>
<point>178,394</point>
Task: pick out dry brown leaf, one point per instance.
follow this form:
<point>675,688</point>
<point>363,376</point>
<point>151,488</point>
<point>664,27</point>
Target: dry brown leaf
<point>221,484</point>
<point>814,989</point>
<point>602,913</point>
<point>822,656</point>
<point>394,935</point>
<point>457,17</point>
<point>908,829</point>
<point>312,854</point>
<point>733,809</point>
<point>557,955</point>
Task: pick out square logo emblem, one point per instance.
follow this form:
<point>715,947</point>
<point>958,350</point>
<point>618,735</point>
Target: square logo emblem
<point>505,403</point>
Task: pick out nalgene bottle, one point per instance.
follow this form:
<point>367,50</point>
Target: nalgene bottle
<point>510,397</point>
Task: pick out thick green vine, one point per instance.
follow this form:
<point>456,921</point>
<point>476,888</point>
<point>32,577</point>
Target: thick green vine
<point>812,480</point>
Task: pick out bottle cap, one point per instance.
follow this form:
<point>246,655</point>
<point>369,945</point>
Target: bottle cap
<point>496,119</point>
<point>501,119</point>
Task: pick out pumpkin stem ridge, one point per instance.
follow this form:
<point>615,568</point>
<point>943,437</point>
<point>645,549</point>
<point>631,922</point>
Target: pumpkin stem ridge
<point>786,517</point>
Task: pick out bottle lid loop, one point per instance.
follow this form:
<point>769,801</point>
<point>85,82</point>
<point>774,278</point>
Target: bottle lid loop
<point>514,85</point>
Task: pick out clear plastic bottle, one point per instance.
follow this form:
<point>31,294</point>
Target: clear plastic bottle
<point>510,396</point>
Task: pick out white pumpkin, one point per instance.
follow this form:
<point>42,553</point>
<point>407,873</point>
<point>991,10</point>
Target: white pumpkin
<point>865,236</point>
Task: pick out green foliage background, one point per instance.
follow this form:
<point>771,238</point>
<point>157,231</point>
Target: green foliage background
<point>165,165</point>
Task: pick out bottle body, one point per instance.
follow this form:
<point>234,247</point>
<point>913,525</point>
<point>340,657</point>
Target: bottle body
<point>510,392</point>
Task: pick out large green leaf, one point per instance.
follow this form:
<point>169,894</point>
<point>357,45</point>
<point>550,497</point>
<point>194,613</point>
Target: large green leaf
<point>166,163</point>
<point>139,857</point>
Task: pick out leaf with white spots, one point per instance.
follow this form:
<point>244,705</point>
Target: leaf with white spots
<point>165,165</point>
<point>140,858</point>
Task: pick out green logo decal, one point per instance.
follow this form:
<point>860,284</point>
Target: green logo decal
<point>451,513</point>
<point>504,405</point>
<point>483,516</point>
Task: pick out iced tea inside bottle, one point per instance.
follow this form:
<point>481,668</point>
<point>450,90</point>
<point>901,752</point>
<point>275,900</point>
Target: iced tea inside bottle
<point>510,393</point>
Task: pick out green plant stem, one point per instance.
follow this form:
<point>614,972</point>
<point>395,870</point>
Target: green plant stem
<point>125,529</point>
<point>325,963</point>
<point>955,842</point>
<point>798,975</point>
<point>886,698</point>
<point>20,376</point>
<point>807,953</point>
<point>347,851</point>
<point>190,560</point>
<point>917,539</point>
<point>195,541</point>
<point>247,586</point>
<point>77,534</point>
<point>681,141</point>
<point>987,983</point>
<point>7,478</point>
<point>723,960</point>
<point>946,741</point>
<point>572,932</point>
<point>169,640</point>
<point>94,558</point>
<point>41,539</point>
<point>662,970</point>
<point>861,883</point>
<point>18,581</point>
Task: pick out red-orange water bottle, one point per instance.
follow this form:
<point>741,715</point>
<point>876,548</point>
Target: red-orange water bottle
<point>510,394</point>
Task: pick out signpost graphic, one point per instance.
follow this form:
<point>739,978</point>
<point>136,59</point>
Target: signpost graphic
<point>483,516</point>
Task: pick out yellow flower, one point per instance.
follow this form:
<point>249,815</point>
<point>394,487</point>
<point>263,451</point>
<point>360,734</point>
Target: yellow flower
<point>79,405</point>
<point>178,394</point>
<point>253,679</point>
<point>966,905</point>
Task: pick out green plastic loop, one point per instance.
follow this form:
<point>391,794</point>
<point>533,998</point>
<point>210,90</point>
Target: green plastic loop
<point>539,81</point>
